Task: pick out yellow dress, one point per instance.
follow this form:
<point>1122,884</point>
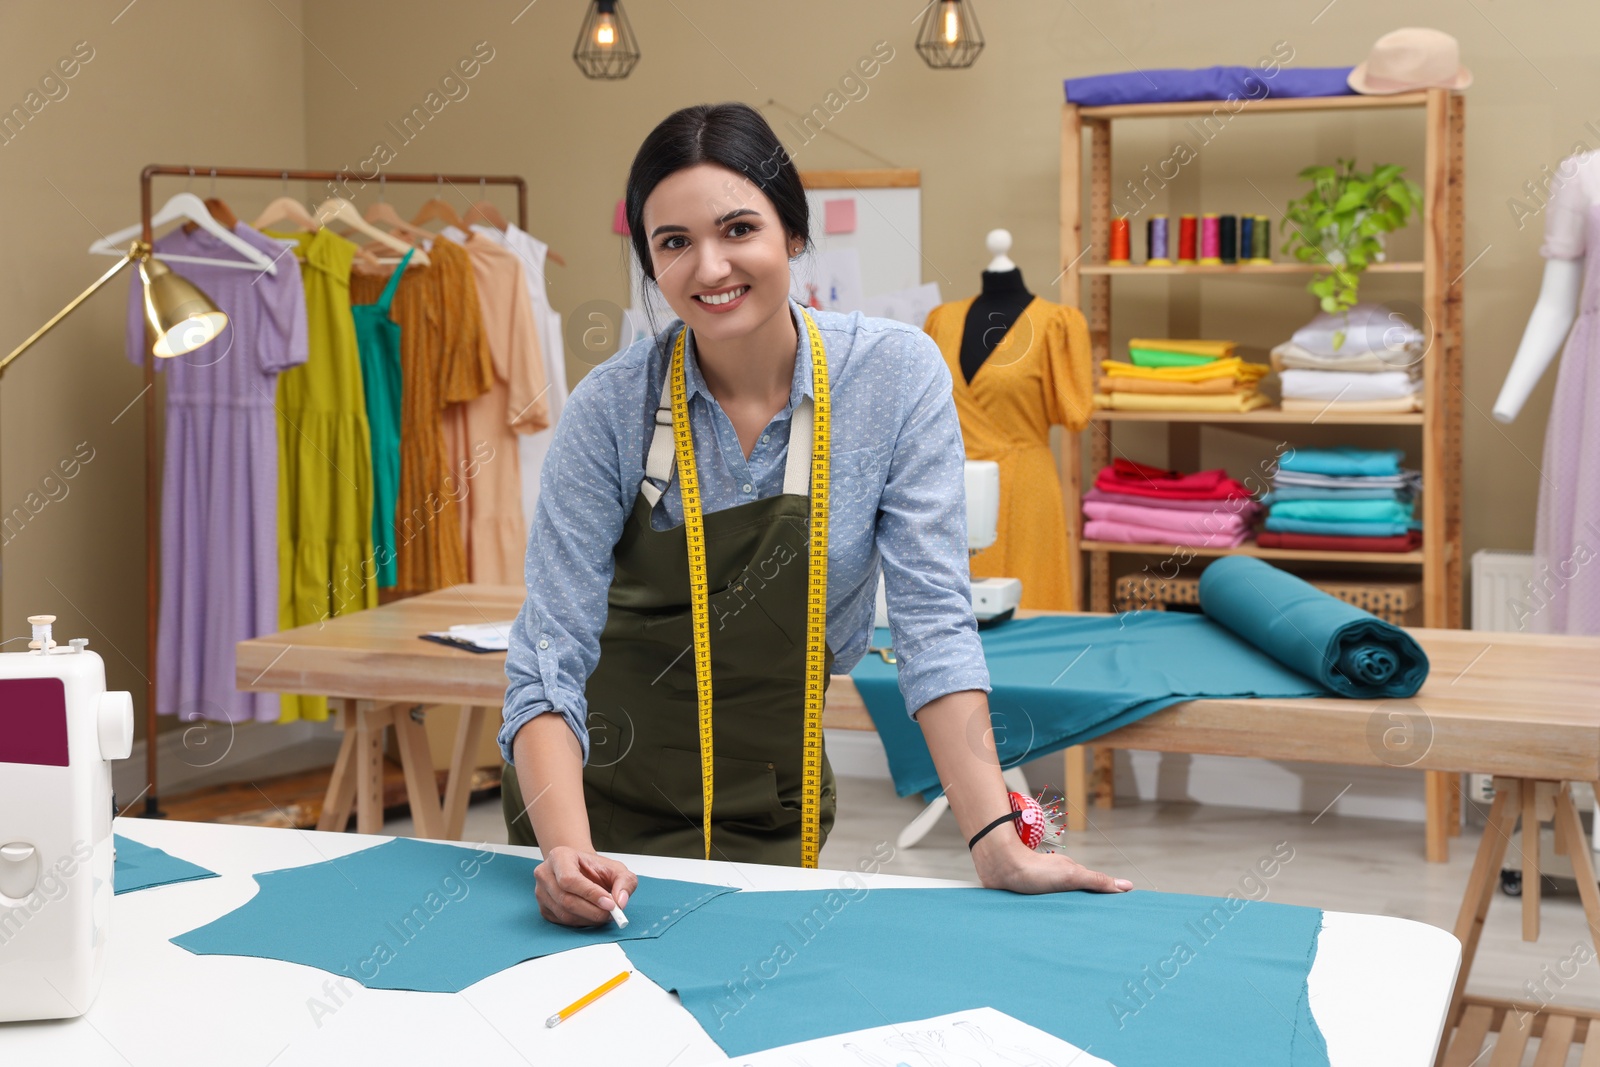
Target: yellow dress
<point>325,563</point>
<point>1039,375</point>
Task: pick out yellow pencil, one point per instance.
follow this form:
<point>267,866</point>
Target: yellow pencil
<point>583,1002</point>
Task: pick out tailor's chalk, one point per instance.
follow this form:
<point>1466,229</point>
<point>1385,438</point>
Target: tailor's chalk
<point>620,919</point>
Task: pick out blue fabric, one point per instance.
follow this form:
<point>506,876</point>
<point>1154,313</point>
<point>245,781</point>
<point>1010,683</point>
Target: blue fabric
<point>1344,510</point>
<point>1352,652</point>
<point>1061,681</point>
<point>1342,461</point>
<point>897,497</point>
<point>141,866</point>
<point>1280,524</point>
<point>1207,83</point>
<point>1141,979</point>
<point>417,915</point>
<point>1299,492</point>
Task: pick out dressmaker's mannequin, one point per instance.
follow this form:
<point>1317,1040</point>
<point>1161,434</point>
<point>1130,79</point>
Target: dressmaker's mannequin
<point>1565,597</point>
<point>1019,364</point>
<point>996,309</point>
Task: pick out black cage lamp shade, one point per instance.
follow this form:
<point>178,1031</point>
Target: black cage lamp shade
<point>606,45</point>
<point>949,38</point>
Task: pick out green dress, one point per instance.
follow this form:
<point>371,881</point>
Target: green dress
<point>325,555</point>
<point>378,337</point>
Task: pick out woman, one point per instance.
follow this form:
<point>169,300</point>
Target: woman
<point>607,635</point>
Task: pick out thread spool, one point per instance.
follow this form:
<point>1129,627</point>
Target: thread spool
<point>1228,234</point>
<point>1186,238</point>
<point>1247,237</point>
<point>1119,242</point>
<point>1261,241</point>
<point>1156,238</point>
<point>41,632</point>
<point>1210,241</point>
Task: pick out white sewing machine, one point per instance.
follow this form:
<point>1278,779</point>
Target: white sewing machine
<point>992,598</point>
<point>58,730</point>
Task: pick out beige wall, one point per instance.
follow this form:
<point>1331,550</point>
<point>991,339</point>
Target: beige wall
<point>240,83</point>
<point>158,89</point>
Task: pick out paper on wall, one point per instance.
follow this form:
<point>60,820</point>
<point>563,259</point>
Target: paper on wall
<point>905,305</point>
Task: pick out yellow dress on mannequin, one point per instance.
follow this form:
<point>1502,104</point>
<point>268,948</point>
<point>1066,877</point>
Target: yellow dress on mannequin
<point>1038,376</point>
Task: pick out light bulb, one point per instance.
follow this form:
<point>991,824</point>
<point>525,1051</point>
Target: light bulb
<point>952,23</point>
<point>605,31</point>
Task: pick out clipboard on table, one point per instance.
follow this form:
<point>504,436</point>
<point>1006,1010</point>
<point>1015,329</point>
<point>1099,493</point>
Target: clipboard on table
<point>475,637</point>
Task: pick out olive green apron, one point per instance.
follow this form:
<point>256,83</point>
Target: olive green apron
<point>642,782</point>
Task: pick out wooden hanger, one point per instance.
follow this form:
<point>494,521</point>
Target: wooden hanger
<point>287,209</point>
<point>188,206</point>
<point>343,211</point>
<point>437,210</point>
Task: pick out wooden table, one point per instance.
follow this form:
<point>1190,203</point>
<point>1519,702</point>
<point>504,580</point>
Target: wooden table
<point>1524,708</point>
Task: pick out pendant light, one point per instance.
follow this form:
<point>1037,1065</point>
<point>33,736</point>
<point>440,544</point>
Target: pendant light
<point>606,45</point>
<point>949,37</point>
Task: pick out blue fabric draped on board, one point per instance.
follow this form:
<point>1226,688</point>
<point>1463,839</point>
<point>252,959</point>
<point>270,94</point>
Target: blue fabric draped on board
<point>1141,979</point>
<point>1061,680</point>
<point>1208,83</point>
<point>141,866</point>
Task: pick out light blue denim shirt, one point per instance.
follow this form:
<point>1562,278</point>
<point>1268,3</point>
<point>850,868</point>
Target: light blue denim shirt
<point>897,500</point>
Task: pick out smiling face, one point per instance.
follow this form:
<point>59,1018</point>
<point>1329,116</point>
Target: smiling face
<point>719,250</point>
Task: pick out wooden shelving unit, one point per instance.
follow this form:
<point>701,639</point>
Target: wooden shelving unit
<point>1086,282</point>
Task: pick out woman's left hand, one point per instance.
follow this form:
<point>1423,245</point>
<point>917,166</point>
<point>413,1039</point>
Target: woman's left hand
<point>1009,864</point>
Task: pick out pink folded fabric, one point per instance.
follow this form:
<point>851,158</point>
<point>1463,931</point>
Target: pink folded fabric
<point>1129,533</point>
<point>1243,505</point>
<point>1221,520</point>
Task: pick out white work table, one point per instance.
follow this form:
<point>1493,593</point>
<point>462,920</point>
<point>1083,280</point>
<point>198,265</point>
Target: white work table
<point>1379,987</point>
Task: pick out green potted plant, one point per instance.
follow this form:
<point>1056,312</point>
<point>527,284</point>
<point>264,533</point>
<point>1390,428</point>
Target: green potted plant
<point>1341,221</point>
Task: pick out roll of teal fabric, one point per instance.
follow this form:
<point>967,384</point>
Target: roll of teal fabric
<point>1352,652</point>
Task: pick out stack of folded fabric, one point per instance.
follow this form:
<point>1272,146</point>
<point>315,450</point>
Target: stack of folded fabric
<point>1136,504</point>
<point>1175,375</point>
<point>1367,359</point>
<point>1342,499</point>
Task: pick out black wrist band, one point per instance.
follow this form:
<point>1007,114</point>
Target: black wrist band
<point>1009,816</point>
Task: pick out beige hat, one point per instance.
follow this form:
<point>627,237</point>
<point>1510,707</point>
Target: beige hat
<point>1412,58</point>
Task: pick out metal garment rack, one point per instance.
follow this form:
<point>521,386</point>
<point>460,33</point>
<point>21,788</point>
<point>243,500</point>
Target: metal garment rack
<point>152,503</point>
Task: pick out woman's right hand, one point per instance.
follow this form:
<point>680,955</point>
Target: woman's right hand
<point>576,888</point>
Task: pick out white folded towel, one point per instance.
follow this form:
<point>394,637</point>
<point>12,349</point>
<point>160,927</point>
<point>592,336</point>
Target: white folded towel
<point>1348,385</point>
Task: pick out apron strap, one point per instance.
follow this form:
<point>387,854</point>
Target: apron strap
<point>658,465</point>
<point>394,283</point>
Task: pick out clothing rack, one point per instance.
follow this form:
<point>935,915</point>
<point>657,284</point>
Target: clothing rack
<point>152,503</point>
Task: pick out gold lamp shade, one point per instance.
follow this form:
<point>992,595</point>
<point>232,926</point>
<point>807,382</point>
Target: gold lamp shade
<point>181,317</point>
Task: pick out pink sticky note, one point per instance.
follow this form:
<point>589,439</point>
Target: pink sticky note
<point>839,216</point>
<point>619,221</point>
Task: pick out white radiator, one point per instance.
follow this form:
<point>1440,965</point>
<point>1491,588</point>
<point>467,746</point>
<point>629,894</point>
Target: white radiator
<point>1502,591</point>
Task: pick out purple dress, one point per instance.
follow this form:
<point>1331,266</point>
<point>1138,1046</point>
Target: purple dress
<point>219,503</point>
<point>1566,547</point>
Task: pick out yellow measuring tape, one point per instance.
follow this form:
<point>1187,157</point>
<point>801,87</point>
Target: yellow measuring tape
<point>816,591</point>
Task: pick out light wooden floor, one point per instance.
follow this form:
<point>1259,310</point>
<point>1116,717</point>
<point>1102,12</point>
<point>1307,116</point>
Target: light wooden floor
<point>1339,863</point>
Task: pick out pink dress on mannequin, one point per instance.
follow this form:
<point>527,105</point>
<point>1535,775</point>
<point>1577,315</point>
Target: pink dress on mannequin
<point>1566,597</point>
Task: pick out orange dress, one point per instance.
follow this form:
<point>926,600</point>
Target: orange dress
<point>1037,376</point>
<point>444,360</point>
<point>482,433</point>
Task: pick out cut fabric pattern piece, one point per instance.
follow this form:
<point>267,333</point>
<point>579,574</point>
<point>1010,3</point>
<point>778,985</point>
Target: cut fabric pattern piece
<point>417,915</point>
<point>140,866</point>
<point>758,969</point>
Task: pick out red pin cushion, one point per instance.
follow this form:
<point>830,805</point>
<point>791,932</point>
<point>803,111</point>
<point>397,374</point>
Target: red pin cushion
<point>1030,819</point>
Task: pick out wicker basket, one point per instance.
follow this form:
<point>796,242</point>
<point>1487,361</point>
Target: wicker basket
<point>1396,602</point>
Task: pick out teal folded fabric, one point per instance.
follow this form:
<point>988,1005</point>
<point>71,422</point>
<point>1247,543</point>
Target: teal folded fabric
<point>1065,680</point>
<point>1060,681</point>
<point>1140,979</point>
<point>1343,510</point>
<point>1352,652</point>
<point>1281,524</point>
<point>1307,492</point>
<point>1341,461</point>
